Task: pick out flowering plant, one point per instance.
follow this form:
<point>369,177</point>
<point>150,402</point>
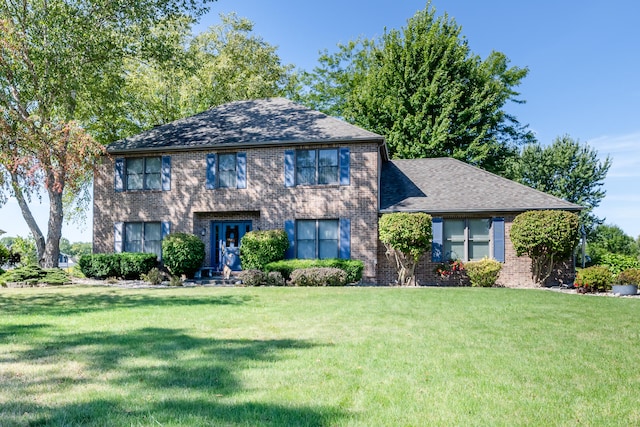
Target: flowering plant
<point>446,269</point>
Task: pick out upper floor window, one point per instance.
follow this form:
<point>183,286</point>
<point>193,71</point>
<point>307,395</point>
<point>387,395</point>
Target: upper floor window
<point>322,166</point>
<point>143,173</point>
<point>227,170</point>
<point>317,166</point>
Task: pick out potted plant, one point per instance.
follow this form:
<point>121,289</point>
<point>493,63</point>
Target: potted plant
<point>627,282</point>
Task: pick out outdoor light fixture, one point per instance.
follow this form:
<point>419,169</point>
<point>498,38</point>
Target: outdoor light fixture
<point>203,232</point>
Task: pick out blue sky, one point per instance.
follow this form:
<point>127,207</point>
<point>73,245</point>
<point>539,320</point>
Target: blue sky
<point>583,59</point>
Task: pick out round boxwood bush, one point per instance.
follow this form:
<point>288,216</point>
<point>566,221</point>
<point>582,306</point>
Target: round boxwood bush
<point>182,253</point>
<point>483,273</point>
<point>260,247</point>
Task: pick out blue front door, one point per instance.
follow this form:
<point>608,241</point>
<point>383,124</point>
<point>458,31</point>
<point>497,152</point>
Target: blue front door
<point>226,238</point>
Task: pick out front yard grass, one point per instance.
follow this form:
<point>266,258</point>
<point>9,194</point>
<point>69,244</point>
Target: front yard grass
<point>317,356</point>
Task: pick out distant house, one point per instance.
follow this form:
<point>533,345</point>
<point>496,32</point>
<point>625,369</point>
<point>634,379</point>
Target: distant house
<point>272,163</point>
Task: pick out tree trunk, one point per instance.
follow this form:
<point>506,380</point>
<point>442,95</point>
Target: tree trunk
<point>28,217</point>
<point>54,232</point>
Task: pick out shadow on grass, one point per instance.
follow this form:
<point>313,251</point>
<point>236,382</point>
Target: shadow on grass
<point>153,375</point>
<point>61,304</point>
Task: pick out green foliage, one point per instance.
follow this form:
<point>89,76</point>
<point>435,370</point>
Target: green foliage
<point>26,248</point>
<point>75,249</point>
<point>407,236</point>
<point>483,273</point>
<point>256,277</point>
<point>133,265</point>
<point>546,237</point>
<point>182,253</point>
<point>100,266</point>
<point>318,276</point>
<point>425,91</point>
<point>630,276</point>
<point>597,278</point>
<point>224,63</point>
<point>253,277</point>
<point>618,262</point>
<point>33,275</point>
<point>4,254</point>
<point>566,169</point>
<point>154,276</point>
<point>610,239</point>
<point>259,248</point>
<point>124,265</point>
<point>353,268</point>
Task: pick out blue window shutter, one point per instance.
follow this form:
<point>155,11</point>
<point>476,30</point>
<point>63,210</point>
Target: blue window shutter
<point>290,228</point>
<point>117,236</point>
<point>166,228</point>
<point>345,161</point>
<point>436,243</point>
<point>166,173</point>
<point>211,171</point>
<point>345,238</point>
<point>498,239</point>
<point>289,168</point>
<point>241,170</point>
<point>118,182</point>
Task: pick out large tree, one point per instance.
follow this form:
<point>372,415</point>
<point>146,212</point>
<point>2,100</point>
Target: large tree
<point>61,67</point>
<point>424,90</point>
<point>567,169</point>
<point>225,63</point>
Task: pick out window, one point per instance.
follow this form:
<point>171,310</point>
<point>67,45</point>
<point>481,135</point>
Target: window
<point>317,239</point>
<point>227,170</point>
<point>143,237</point>
<point>467,239</point>
<point>317,167</point>
<point>144,173</point>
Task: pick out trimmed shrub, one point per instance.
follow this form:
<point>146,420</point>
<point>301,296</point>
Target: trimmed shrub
<point>274,278</point>
<point>253,277</point>
<point>134,265</point>
<point>100,266</point>
<point>545,237</point>
<point>182,253</point>
<point>260,247</point>
<point>483,273</point>
<point>407,237</point>
<point>352,267</point>
<point>33,275</point>
<point>125,265</point>
<point>318,276</point>
<point>597,278</point>
<point>630,276</point>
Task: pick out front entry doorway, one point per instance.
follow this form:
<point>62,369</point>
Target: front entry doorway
<point>226,238</point>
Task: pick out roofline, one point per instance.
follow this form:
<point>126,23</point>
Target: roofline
<point>468,211</point>
<point>277,143</point>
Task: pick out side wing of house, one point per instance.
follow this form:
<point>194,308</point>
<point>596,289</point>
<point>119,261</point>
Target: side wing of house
<point>472,213</point>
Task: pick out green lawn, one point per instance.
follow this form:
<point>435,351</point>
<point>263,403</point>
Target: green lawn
<point>321,356</point>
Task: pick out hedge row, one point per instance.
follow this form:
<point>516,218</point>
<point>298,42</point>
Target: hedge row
<point>125,265</point>
<point>352,268</point>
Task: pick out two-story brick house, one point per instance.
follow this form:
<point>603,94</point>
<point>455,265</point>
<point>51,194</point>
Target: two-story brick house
<point>271,163</point>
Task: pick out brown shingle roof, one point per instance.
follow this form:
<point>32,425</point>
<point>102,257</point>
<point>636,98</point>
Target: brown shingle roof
<point>246,123</point>
<point>445,185</point>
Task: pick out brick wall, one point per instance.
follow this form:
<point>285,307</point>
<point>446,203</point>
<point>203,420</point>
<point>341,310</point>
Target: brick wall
<point>190,206</point>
